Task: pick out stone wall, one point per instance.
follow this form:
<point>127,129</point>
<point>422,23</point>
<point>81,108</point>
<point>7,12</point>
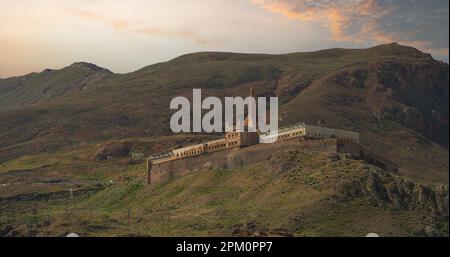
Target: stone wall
<point>323,132</point>
<point>360,152</point>
<point>236,157</point>
<point>231,158</point>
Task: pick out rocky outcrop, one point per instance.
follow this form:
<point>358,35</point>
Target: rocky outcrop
<point>111,150</point>
<point>383,189</point>
<point>352,78</point>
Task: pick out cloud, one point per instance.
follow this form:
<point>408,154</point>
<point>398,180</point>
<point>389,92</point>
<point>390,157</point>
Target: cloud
<point>95,16</point>
<point>423,24</point>
<point>181,33</point>
<point>123,24</point>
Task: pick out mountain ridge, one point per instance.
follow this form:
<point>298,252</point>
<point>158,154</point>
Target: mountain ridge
<point>393,45</point>
<point>366,90</point>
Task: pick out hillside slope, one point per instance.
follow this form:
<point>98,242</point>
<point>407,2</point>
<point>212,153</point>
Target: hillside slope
<point>396,96</point>
<point>35,87</point>
<point>291,194</point>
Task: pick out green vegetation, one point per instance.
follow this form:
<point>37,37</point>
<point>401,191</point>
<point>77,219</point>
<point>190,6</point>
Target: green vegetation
<point>308,199</point>
<point>82,127</point>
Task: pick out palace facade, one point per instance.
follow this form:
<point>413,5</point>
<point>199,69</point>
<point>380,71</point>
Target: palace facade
<point>244,139</point>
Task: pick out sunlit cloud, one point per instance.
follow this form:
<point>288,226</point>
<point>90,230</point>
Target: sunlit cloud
<point>95,16</point>
<point>423,24</point>
<point>138,27</point>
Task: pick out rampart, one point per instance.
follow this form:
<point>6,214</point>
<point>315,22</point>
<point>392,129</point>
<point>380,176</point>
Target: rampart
<point>360,152</point>
<point>236,157</point>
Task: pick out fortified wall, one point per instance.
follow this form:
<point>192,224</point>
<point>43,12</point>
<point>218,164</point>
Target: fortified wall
<point>235,157</point>
<point>362,153</point>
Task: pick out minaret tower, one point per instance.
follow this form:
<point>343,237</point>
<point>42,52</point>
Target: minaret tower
<point>250,138</point>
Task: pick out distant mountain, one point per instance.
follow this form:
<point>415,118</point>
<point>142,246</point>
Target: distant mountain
<point>396,96</point>
<point>35,87</point>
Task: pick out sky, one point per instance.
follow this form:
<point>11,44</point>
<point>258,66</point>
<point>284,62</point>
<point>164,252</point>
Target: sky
<point>124,36</point>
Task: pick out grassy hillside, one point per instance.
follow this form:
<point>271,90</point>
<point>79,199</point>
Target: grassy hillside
<point>293,193</point>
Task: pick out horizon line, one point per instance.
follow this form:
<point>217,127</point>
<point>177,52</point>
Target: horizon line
<point>212,51</point>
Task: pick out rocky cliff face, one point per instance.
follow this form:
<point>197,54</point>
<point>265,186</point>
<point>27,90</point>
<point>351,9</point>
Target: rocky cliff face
<point>415,95</point>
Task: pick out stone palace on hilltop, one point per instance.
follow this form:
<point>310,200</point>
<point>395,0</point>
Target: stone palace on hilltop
<point>241,148</point>
<point>236,149</point>
<point>245,139</point>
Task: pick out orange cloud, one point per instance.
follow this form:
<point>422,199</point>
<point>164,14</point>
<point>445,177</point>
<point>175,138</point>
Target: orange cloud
<point>337,16</point>
<point>373,20</point>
